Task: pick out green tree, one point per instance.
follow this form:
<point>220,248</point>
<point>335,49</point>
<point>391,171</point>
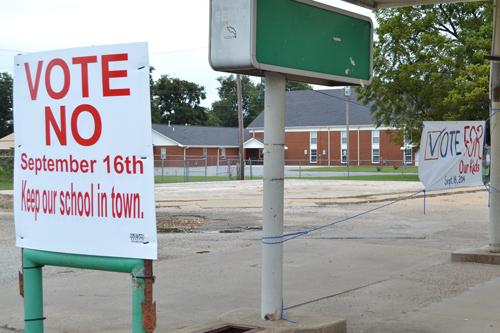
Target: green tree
<point>5,104</point>
<point>429,65</point>
<point>226,109</point>
<point>295,85</point>
<point>178,101</point>
<point>155,110</point>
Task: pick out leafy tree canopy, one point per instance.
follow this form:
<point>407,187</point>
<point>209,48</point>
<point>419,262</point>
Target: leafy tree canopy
<point>5,104</point>
<point>295,85</point>
<point>177,101</point>
<point>225,110</point>
<point>429,65</point>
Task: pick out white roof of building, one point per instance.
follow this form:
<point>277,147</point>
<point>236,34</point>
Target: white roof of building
<point>7,142</point>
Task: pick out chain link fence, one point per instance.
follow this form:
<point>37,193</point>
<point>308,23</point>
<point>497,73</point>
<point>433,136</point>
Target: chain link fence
<point>190,168</point>
<point>175,169</point>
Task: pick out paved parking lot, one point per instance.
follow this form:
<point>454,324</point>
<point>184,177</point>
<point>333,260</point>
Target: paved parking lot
<point>387,271</point>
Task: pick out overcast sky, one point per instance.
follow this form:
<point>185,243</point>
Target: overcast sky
<point>176,30</point>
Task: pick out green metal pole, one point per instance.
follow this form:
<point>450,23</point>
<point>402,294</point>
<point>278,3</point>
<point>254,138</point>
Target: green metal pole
<point>110,264</point>
<point>138,283</point>
<point>33,296</point>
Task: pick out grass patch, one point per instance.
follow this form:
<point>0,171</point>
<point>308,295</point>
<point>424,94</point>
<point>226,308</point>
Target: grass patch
<point>362,168</point>
<point>5,184</point>
<point>382,177</point>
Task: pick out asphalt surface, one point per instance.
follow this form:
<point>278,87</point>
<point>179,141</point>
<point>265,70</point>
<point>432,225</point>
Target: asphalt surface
<point>386,271</point>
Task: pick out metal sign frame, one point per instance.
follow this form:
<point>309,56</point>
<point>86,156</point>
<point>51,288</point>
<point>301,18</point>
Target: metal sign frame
<point>252,66</point>
<point>31,287</point>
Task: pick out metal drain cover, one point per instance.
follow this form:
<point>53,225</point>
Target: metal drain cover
<point>232,329</point>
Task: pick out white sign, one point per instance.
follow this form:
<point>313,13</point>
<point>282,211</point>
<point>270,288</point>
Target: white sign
<point>83,177</point>
<point>451,154</point>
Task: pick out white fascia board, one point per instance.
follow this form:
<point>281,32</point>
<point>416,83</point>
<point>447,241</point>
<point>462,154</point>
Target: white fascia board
<point>253,143</point>
<point>210,146</point>
<point>334,128</point>
<point>163,140</point>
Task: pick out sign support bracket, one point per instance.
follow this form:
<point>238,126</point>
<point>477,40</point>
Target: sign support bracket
<point>142,281</point>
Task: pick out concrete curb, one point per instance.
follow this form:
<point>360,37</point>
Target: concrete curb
<point>300,324</point>
<point>480,256</point>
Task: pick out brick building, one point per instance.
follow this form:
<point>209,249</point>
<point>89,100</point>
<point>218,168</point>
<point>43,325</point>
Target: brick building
<point>176,145</point>
<point>315,134</point>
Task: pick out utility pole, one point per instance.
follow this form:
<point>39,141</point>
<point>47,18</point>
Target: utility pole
<point>240,127</point>
<point>347,94</point>
<point>273,201</point>
<point>495,134</point>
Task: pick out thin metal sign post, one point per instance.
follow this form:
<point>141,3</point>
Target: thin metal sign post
<point>31,286</point>
<point>494,225</point>
<point>347,95</point>
<point>241,154</point>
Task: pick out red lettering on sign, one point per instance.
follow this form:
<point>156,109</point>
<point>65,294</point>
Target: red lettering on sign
<point>60,131</point>
<point>97,125</point>
<point>64,90</point>
<point>107,74</point>
<point>33,87</point>
<point>84,63</point>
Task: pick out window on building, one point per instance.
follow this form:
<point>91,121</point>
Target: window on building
<point>344,156</point>
<point>375,146</point>
<point>223,152</point>
<point>343,147</point>
<point>314,138</point>
<point>163,153</point>
<point>408,156</point>
<point>205,152</point>
<point>314,155</point>
<point>375,155</point>
<point>407,151</point>
<point>313,147</point>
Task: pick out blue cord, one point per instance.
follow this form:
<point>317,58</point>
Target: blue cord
<point>280,239</point>
<point>283,314</point>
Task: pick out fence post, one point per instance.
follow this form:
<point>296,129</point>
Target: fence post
<point>251,171</point>
<point>184,171</point>
<point>300,169</point>
<point>206,168</point>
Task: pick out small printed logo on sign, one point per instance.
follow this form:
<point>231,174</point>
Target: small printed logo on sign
<point>137,238</point>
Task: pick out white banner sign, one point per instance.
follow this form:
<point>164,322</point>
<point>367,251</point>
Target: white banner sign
<point>83,177</point>
<point>451,154</point>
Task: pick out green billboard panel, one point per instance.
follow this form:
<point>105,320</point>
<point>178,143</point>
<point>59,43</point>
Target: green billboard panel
<point>305,40</point>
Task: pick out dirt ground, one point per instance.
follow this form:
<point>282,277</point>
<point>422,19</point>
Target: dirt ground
<point>385,271</point>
